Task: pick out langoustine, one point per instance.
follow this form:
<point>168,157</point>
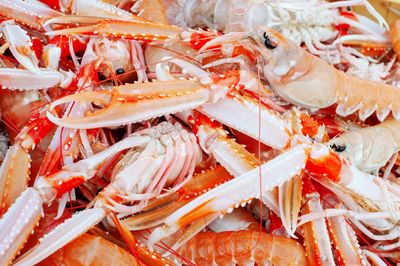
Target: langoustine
<point>325,29</point>
<point>345,90</point>
<point>316,24</point>
<point>285,139</point>
<point>293,80</point>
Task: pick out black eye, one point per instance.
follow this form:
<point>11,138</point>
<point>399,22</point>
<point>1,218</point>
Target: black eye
<point>120,71</point>
<point>268,43</point>
<point>339,148</point>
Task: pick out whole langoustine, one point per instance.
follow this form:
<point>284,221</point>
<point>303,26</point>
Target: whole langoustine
<point>304,79</point>
<point>243,247</point>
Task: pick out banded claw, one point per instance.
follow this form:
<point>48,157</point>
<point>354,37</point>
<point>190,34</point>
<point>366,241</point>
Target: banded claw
<point>132,30</point>
<point>133,103</point>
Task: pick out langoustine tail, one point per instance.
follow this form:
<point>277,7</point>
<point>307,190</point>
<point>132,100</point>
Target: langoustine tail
<point>367,97</point>
<point>242,247</point>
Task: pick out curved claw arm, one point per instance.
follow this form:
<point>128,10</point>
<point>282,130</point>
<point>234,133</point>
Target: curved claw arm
<point>315,158</point>
<point>133,103</point>
<point>96,97</point>
<point>29,13</point>
<point>133,30</point>
<point>20,46</point>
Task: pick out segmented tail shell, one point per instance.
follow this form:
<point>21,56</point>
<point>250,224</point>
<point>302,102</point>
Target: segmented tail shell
<point>367,97</point>
<point>243,248</point>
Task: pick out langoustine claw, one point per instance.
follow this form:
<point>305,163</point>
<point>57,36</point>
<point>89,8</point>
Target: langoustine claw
<point>130,103</point>
<point>132,30</point>
<point>147,168</point>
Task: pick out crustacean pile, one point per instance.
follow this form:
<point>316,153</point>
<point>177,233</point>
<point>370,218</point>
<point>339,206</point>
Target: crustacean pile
<point>196,132</point>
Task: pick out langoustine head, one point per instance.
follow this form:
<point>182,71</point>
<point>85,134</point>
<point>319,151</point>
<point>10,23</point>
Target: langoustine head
<point>367,148</point>
<point>293,73</point>
<point>114,56</point>
<point>276,52</point>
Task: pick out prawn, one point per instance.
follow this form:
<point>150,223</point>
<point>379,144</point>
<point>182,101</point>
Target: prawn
<point>304,79</point>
